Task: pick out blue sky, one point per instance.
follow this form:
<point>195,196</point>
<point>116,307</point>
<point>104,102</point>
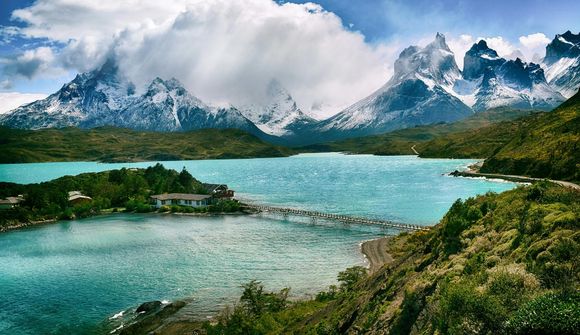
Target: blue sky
<point>387,26</point>
<point>383,19</point>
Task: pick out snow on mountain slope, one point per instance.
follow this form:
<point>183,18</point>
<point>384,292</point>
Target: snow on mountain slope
<point>491,81</point>
<point>416,94</point>
<point>279,115</point>
<point>562,63</point>
<point>102,97</point>
<point>86,101</point>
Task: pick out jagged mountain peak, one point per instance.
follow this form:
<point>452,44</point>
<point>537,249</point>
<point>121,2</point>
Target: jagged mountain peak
<point>416,94</point>
<point>479,57</point>
<point>566,45</point>
<point>433,64</point>
<point>562,63</point>
<point>278,114</point>
<point>439,43</point>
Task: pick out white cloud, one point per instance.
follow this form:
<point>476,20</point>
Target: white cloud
<point>529,48</point>
<point>226,51</point>
<point>222,50</point>
<point>29,63</point>
<point>534,45</point>
<point>11,100</point>
<point>537,40</point>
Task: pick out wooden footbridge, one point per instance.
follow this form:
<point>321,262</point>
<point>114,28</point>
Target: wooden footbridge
<point>335,217</point>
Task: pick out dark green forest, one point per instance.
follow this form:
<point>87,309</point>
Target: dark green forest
<point>115,190</point>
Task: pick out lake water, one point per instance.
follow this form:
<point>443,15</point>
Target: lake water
<point>66,278</point>
<point>401,188</point>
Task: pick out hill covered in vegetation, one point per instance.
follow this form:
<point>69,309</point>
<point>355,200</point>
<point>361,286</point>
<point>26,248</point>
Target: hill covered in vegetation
<point>400,142</point>
<point>543,145</point>
<point>504,263</point>
<point>124,145</point>
<point>547,146</point>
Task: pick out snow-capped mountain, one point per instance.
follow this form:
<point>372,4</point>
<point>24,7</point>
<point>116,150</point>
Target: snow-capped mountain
<point>478,59</point>
<point>562,63</point>
<point>86,102</point>
<point>103,97</point>
<point>491,81</point>
<point>279,115</point>
<point>418,93</point>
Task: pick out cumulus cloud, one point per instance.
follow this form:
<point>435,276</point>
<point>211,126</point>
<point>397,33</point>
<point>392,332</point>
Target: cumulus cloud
<point>11,100</point>
<point>29,63</point>
<point>224,51</point>
<point>534,46</point>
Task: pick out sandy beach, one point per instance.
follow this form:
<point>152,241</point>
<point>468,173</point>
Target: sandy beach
<point>376,253</point>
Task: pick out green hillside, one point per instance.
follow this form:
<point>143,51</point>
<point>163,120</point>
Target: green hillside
<point>400,142</point>
<point>544,145</point>
<point>547,146</point>
<point>497,264</point>
<point>124,145</point>
<point>504,263</point>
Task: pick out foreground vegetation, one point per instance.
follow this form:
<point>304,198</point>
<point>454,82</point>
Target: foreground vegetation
<point>123,145</point>
<point>504,263</point>
<point>124,189</point>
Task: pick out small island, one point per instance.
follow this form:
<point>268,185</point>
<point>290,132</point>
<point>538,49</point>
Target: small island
<point>154,189</point>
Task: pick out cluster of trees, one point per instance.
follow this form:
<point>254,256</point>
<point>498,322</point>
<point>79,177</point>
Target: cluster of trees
<point>127,189</point>
<point>263,312</point>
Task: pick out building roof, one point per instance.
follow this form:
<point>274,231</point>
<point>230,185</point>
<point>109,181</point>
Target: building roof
<point>11,200</point>
<point>75,195</point>
<point>78,196</point>
<point>180,196</point>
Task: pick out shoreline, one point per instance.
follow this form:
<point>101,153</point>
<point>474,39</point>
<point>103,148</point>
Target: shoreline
<point>31,224</point>
<point>375,253</point>
<point>469,173</point>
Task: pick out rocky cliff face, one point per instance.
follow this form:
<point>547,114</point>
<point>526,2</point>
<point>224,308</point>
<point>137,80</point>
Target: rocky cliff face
<point>562,63</point>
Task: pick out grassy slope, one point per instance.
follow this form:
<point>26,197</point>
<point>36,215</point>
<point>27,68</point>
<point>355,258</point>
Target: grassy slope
<point>497,264</point>
<point>400,142</point>
<point>113,144</point>
<point>546,146</point>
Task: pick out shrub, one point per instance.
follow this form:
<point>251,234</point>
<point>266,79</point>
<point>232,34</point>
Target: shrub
<point>350,277</point>
<point>464,309</point>
<point>225,206</point>
<point>548,314</point>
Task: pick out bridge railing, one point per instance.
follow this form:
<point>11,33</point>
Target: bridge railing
<point>338,217</point>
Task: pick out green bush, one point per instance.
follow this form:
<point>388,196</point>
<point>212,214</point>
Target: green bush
<point>548,314</point>
<point>463,309</point>
<point>350,277</point>
<point>225,206</point>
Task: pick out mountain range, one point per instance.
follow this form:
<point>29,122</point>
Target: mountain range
<point>427,87</point>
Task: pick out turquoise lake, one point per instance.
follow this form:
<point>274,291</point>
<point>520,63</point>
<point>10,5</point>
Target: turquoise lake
<point>69,277</point>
